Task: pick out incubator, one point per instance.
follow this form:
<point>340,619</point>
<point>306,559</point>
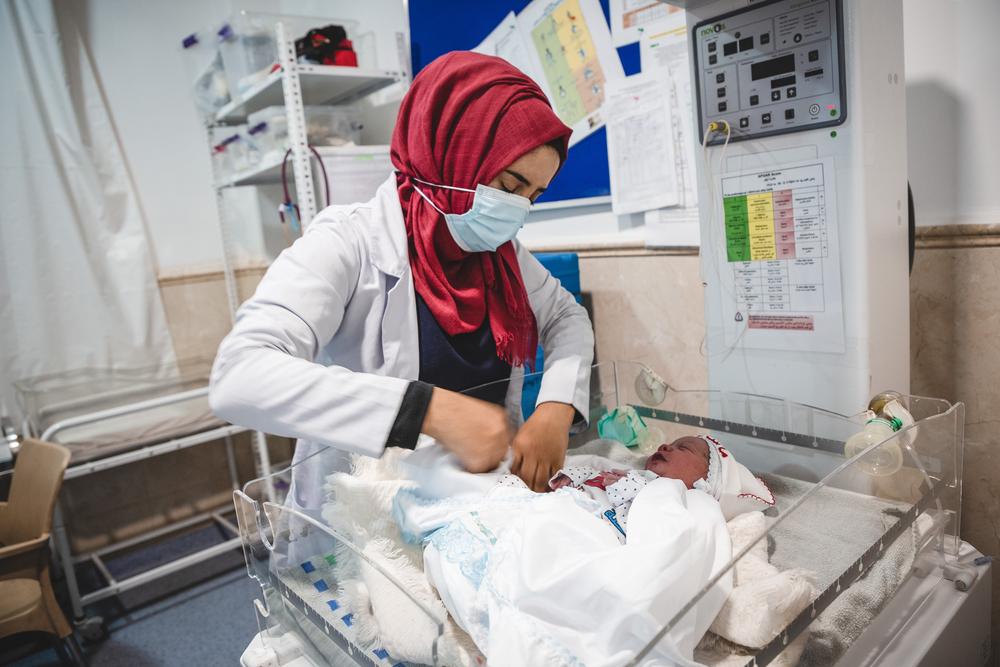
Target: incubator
<point>887,549</point>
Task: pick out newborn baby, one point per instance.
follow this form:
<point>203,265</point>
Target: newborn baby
<point>698,461</point>
<point>686,459</point>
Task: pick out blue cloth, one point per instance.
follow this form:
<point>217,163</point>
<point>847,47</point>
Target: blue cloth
<point>565,266</point>
<point>460,362</point>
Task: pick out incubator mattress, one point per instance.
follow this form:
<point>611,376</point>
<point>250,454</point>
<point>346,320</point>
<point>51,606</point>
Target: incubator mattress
<point>140,429</point>
<point>844,521</point>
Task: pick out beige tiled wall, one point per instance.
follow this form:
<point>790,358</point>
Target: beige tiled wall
<point>648,307</point>
<point>955,347</point>
<point>198,311</point>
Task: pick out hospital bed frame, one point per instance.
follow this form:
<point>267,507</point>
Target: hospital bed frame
<point>289,609</point>
<point>92,627</point>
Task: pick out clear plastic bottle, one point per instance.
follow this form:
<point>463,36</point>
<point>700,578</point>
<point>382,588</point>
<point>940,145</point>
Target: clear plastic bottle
<point>884,460</point>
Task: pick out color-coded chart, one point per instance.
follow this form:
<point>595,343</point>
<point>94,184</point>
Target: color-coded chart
<point>776,242</point>
<point>780,224</point>
<point>781,246</point>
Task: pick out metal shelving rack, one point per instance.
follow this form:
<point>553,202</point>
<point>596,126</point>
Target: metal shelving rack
<point>295,85</point>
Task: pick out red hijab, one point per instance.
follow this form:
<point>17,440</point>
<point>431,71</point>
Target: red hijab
<point>465,119</point>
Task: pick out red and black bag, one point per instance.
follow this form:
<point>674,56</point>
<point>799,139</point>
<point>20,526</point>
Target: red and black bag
<point>327,46</point>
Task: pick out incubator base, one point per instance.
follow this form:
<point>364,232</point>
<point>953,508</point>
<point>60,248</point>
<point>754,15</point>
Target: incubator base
<point>950,628</point>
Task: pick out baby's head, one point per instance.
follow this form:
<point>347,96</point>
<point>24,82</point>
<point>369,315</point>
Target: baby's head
<point>686,459</point>
<point>702,463</point>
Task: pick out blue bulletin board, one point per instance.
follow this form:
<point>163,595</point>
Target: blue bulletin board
<point>440,26</point>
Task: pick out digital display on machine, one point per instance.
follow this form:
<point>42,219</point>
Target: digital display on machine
<point>773,67</point>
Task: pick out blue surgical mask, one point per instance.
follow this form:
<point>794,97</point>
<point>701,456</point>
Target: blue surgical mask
<point>495,217</point>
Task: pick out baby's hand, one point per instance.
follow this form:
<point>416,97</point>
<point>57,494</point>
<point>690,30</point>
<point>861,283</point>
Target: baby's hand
<point>560,481</point>
<point>611,476</point>
<point>605,479</point>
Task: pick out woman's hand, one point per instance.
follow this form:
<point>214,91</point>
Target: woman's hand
<point>540,445</point>
<point>476,432</point>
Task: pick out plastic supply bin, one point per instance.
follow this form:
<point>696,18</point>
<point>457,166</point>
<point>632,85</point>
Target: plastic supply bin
<point>249,52</point>
<point>230,153</point>
<point>325,126</point>
<point>203,65</point>
<point>354,172</point>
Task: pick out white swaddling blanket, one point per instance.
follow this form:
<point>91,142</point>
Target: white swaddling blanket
<point>540,579</point>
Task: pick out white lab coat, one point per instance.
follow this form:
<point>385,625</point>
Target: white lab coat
<point>324,349</point>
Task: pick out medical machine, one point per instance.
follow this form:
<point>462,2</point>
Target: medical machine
<point>884,566</point>
<point>803,196</point>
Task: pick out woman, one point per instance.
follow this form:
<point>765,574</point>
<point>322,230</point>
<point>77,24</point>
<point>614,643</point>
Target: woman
<point>361,334</point>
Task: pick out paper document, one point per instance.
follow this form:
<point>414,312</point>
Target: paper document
<point>640,145</point>
<point>571,47</point>
<point>631,18</point>
<point>507,42</point>
<point>777,258</point>
<point>664,48</point>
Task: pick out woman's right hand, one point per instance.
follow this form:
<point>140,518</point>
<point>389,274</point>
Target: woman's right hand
<point>475,431</point>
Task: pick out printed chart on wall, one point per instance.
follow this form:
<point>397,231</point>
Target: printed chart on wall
<point>640,144</point>
<point>780,262</point>
<point>664,49</point>
<point>571,45</point>
<point>507,42</point>
<point>631,18</point>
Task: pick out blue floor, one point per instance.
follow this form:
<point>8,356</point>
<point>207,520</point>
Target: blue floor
<point>202,616</point>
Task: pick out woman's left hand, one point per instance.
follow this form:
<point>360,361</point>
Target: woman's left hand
<point>540,444</point>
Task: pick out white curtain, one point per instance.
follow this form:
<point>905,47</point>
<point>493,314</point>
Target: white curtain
<point>77,278</point>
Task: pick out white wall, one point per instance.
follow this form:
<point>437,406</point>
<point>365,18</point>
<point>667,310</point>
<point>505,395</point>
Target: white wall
<point>953,101</point>
<point>136,51</point>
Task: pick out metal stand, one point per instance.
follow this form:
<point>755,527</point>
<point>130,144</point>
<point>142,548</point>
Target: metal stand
<point>297,137</point>
<point>92,627</point>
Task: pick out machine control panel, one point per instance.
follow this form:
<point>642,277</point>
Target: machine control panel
<point>771,68</point>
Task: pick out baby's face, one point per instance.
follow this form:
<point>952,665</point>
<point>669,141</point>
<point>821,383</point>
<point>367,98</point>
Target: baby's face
<point>685,459</point>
